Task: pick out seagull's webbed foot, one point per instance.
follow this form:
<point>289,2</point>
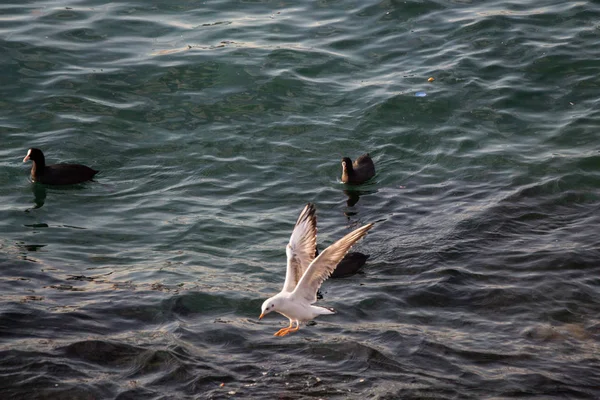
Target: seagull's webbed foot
<point>282,332</point>
<point>285,331</point>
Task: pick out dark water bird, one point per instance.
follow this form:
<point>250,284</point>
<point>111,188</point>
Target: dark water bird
<point>350,265</point>
<point>359,171</point>
<point>57,174</point>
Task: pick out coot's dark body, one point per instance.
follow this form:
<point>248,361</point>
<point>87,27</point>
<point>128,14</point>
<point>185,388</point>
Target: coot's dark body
<point>358,172</point>
<point>57,174</point>
<point>350,265</point>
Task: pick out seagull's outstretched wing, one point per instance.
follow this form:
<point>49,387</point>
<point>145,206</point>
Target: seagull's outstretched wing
<point>322,267</point>
<point>301,248</point>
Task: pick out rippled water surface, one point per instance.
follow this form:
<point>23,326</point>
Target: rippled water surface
<point>214,122</point>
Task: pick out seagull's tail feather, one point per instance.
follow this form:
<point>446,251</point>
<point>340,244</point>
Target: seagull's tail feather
<point>323,310</point>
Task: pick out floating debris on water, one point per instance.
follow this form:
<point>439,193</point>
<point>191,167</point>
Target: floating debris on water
<point>420,94</point>
<point>431,79</point>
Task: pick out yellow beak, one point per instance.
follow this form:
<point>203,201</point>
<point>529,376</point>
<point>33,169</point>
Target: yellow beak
<point>261,316</point>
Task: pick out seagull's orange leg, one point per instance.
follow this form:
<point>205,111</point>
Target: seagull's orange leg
<point>296,328</point>
<point>289,329</point>
<point>284,331</point>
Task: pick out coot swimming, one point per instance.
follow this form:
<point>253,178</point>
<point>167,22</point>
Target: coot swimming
<point>358,172</point>
<point>57,174</point>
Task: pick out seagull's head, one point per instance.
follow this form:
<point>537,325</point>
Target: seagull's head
<point>269,305</point>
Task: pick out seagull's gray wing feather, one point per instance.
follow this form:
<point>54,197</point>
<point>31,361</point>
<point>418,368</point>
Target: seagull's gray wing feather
<point>301,248</point>
<point>322,266</point>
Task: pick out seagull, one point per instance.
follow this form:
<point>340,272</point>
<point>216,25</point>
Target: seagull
<point>305,273</point>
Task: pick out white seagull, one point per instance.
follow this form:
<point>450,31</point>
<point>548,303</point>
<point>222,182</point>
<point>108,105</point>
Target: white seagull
<point>305,273</point>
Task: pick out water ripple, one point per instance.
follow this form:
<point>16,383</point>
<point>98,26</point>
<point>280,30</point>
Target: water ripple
<point>212,126</point>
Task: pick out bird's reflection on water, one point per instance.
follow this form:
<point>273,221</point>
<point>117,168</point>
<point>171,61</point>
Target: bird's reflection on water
<point>354,195</point>
<point>39,196</point>
<point>39,192</point>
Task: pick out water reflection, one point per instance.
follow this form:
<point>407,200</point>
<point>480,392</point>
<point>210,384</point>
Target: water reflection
<point>354,195</point>
<point>39,193</point>
<point>30,247</point>
<point>25,249</point>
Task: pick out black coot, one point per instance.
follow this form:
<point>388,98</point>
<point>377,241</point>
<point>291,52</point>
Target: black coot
<point>350,264</point>
<point>57,174</point>
<point>358,172</point>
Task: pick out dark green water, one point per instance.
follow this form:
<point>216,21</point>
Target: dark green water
<point>213,123</point>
